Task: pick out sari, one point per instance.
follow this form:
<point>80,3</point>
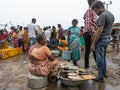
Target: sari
<point>74,42</point>
<point>44,66</point>
<point>63,45</point>
<point>15,39</point>
<point>26,40</point>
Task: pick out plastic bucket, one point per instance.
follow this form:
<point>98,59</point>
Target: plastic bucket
<point>66,55</point>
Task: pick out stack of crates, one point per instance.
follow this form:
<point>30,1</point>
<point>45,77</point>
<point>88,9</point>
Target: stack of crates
<point>6,53</point>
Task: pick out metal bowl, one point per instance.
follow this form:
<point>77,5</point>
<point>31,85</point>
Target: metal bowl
<point>67,81</point>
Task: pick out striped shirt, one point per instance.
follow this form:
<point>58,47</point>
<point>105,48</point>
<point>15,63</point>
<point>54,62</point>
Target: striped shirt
<point>90,19</point>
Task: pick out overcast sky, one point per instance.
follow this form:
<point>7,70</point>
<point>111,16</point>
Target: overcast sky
<point>48,12</point>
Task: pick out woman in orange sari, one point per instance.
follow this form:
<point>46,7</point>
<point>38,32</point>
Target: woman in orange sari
<point>42,62</point>
<point>63,44</point>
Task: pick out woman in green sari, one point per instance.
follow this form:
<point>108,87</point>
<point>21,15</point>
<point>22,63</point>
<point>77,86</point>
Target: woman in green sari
<point>74,41</point>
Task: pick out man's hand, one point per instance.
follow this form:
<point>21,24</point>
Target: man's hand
<point>92,38</point>
<point>92,48</point>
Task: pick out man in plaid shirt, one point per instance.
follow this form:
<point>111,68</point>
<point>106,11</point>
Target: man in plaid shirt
<point>90,19</point>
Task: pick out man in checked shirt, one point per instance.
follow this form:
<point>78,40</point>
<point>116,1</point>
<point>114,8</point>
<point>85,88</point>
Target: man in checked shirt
<point>90,19</point>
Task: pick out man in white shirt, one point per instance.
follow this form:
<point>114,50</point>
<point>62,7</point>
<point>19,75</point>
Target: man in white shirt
<point>47,33</point>
<point>32,30</point>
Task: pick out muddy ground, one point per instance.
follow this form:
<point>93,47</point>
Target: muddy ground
<point>14,72</point>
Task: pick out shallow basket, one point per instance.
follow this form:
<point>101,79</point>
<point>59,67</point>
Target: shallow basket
<point>66,55</point>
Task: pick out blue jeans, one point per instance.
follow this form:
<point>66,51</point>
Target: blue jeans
<point>32,41</point>
<point>100,51</point>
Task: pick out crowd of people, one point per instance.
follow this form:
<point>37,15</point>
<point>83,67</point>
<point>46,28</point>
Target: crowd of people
<point>95,36</point>
<point>25,37</point>
<point>15,38</point>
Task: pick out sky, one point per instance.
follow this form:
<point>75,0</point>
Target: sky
<point>48,12</point>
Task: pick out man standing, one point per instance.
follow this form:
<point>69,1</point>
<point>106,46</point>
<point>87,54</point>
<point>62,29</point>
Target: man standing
<point>102,38</point>
<point>61,32</point>
<point>90,18</point>
<point>32,31</point>
<point>3,39</point>
<point>47,35</point>
<point>20,38</point>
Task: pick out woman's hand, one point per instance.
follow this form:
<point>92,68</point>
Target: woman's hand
<point>54,65</point>
<point>55,62</point>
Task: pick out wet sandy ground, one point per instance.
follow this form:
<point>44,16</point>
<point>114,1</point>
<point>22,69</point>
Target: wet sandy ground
<point>14,72</point>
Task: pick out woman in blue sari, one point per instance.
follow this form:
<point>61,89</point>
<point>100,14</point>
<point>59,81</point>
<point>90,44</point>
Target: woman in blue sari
<point>74,42</point>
